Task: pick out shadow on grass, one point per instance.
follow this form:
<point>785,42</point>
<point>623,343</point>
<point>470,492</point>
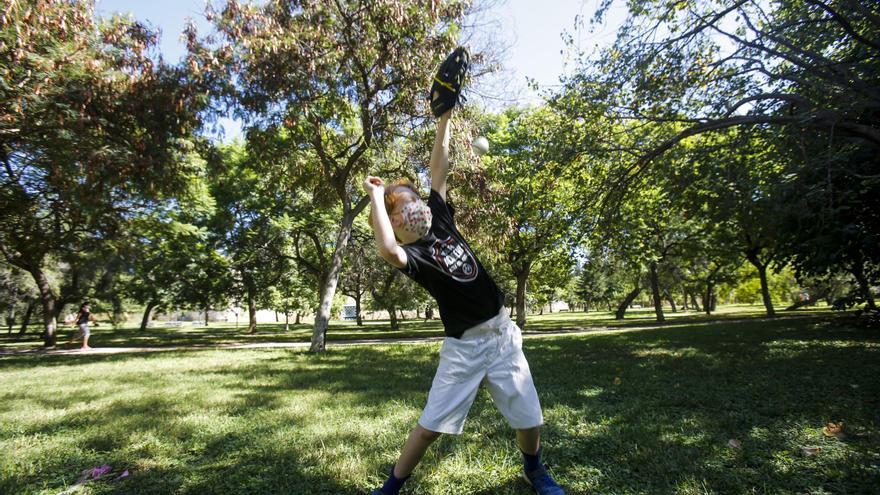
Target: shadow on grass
<point>293,422</point>
<point>684,393</point>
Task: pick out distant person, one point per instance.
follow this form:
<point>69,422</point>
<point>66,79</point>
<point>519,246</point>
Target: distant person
<point>82,320</point>
<point>482,344</point>
<point>429,313</point>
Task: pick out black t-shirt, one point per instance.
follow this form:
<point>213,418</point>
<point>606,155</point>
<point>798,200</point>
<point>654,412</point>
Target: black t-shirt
<point>83,317</point>
<point>443,263</point>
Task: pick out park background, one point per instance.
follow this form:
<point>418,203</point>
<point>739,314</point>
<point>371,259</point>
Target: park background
<point>680,203</point>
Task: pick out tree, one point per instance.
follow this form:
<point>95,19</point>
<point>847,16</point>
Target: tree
<point>355,281</point>
<point>803,73</point>
<point>535,209</point>
<point>81,145</point>
<point>342,78</point>
<point>249,224</point>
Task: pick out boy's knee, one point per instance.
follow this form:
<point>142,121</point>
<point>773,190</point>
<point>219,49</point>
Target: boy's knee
<point>427,435</point>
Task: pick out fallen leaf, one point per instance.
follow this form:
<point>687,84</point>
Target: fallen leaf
<point>617,380</point>
<point>734,443</point>
<point>810,451</point>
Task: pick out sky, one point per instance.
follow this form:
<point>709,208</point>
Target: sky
<point>531,29</point>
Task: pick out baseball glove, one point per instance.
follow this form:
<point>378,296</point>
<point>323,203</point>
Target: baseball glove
<point>446,88</point>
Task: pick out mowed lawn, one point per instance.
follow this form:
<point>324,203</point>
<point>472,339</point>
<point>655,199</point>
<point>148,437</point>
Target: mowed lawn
<point>639,411</point>
<point>197,334</point>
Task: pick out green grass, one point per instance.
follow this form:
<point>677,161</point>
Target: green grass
<point>285,421</point>
<point>222,333</point>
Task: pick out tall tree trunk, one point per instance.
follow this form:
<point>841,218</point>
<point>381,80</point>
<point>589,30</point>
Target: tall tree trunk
<point>10,318</point>
<point>357,311</point>
<point>32,304</point>
<point>858,271</point>
<point>694,303</point>
<point>621,309</point>
<point>707,298</point>
<point>298,315</point>
<point>671,301</point>
<point>252,308</point>
<point>206,315</point>
<point>48,300</point>
<point>286,319</point>
<point>331,278</point>
<point>146,319</point>
<point>655,292</point>
<point>685,300</point>
<point>522,276</point>
<point>753,258</point>
<point>392,314</point>
<point>276,316</point>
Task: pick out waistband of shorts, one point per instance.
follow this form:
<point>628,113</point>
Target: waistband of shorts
<point>493,324</point>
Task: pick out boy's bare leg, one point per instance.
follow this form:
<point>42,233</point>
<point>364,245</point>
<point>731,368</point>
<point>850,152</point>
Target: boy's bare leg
<point>529,440</point>
<point>416,445</point>
<point>86,342</point>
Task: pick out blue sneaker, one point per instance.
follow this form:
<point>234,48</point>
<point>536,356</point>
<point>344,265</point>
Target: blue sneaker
<point>541,481</point>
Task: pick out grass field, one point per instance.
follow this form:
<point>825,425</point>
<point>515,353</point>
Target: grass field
<point>285,421</point>
<point>222,333</point>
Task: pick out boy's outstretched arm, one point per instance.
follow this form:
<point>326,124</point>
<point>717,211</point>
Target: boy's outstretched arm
<point>385,241</point>
<point>440,156</point>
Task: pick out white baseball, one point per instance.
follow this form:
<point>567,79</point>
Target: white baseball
<point>480,145</point>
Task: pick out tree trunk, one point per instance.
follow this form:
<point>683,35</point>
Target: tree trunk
<point>330,279</point>
<point>48,299</point>
<point>10,318</point>
<point>392,313</point>
<point>357,311</point>
<point>858,271</point>
<point>655,292</point>
<point>707,298</point>
<point>286,319</point>
<point>694,304</point>
<point>206,315</point>
<point>685,300</point>
<point>522,276</point>
<point>752,256</point>
<point>671,301</point>
<point>146,319</point>
<point>621,309</point>
<point>32,304</point>
<point>298,315</point>
<point>252,308</point>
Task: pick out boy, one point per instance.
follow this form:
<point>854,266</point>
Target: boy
<point>482,344</point>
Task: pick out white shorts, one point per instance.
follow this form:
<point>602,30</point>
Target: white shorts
<point>489,353</point>
<point>83,330</point>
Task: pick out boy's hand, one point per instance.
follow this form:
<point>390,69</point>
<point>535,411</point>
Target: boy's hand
<point>372,184</point>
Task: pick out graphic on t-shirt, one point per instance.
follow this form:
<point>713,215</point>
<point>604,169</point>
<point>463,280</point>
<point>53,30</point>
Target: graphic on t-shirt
<point>455,259</point>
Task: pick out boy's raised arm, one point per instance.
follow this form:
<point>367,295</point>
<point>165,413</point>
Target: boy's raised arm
<point>440,156</point>
<point>385,241</point>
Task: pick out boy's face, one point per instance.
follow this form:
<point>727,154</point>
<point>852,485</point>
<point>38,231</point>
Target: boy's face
<point>396,216</point>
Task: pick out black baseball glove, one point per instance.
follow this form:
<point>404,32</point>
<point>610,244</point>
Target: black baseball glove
<point>446,88</point>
